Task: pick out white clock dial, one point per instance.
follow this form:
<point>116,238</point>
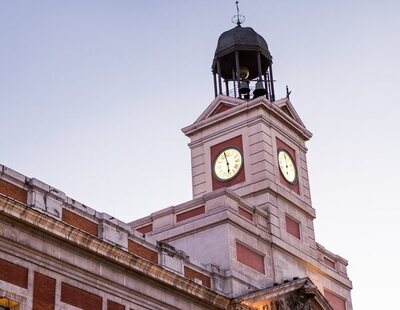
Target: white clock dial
<point>227,164</point>
<point>287,166</point>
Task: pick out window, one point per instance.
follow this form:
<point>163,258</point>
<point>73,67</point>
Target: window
<point>8,304</point>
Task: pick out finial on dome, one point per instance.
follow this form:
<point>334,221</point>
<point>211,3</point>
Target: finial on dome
<point>238,19</point>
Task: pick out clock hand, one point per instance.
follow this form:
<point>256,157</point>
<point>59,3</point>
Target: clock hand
<point>227,163</point>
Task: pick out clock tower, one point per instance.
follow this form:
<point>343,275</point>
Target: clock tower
<point>246,141</point>
<point>254,147</point>
<point>251,217</point>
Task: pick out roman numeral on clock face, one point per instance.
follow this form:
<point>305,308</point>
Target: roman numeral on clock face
<point>227,164</point>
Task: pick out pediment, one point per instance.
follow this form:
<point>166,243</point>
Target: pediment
<point>299,294</point>
<point>220,104</point>
<point>286,106</point>
<point>223,103</point>
<point>223,107</point>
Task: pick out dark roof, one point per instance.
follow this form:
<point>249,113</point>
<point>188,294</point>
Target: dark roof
<point>242,39</point>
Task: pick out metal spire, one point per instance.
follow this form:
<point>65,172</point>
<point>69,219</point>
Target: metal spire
<point>238,19</point>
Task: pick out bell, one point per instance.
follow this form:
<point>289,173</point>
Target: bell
<point>244,87</point>
<point>260,90</point>
<point>244,72</point>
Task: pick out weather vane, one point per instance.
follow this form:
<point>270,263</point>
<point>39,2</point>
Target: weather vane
<point>288,92</point>
<point>238,19</point>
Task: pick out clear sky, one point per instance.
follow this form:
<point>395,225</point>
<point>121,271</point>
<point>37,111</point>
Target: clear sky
<point>93,95</point>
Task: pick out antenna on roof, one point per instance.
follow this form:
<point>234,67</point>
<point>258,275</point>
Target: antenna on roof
<point>238,19</point>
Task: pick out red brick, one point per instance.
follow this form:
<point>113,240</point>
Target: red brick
<point>191,213</point>
<point>13,191</point>
<point>292,227</point>
<point>80,298</point>
<point>250,258</point>
<point>215,150</point>
<point>142,251</point>
<point>13,273</point>
<point>44,292</point>
<point>330,263</point>
<point>246,214</point>
<point>112,305</point>
<point>193,274</point>
<point>337,302</point>
<point>145,229</point>
<point>80,222</point>
<point>222,108</point>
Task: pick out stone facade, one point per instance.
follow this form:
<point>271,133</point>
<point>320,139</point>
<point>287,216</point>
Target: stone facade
<point>249,245</point>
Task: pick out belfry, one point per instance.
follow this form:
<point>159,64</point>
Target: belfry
<point>245,240</point>
<point>242,58</point>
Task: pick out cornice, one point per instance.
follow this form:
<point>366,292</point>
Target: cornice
<point>244,106</point>
<point>74,236</point>
<point>304,284</point>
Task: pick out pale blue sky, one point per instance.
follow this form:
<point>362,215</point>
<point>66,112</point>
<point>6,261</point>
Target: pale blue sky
<point>93,95</point>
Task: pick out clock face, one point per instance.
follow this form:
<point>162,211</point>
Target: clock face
<point>287,166</point>
<point>227,164</point>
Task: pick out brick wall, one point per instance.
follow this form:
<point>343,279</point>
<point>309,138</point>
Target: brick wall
<point>80,298</point>
<point>145,229</point>
<point>44,292</point>
<point>112,305</point>
<point>80,222</point>
<point>142,251</point>
<point>193,274</point>
<point>292,227</point>
<point>250,258</point>
<point>246,214</point>
<point>329,263</point>
<point>337,302</point>
<point>13,273</point>
<point>13,191</point>
<point>191,213</point>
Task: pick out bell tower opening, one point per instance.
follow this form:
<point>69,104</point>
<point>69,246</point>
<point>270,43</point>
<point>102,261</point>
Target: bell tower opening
<point>242,65</point>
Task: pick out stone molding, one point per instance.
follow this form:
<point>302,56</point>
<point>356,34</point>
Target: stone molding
<point>244,106</point>
<point>21,213</point>
<point>299,294</point>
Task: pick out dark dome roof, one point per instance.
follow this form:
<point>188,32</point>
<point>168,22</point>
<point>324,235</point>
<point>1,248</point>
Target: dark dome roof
<point>242,39</point>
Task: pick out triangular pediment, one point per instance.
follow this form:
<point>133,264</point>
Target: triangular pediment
<point>286,106</point>
<point>223,103</point>
<point>297,294</point>
<point>223,107</point>
<point>219,105</point>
